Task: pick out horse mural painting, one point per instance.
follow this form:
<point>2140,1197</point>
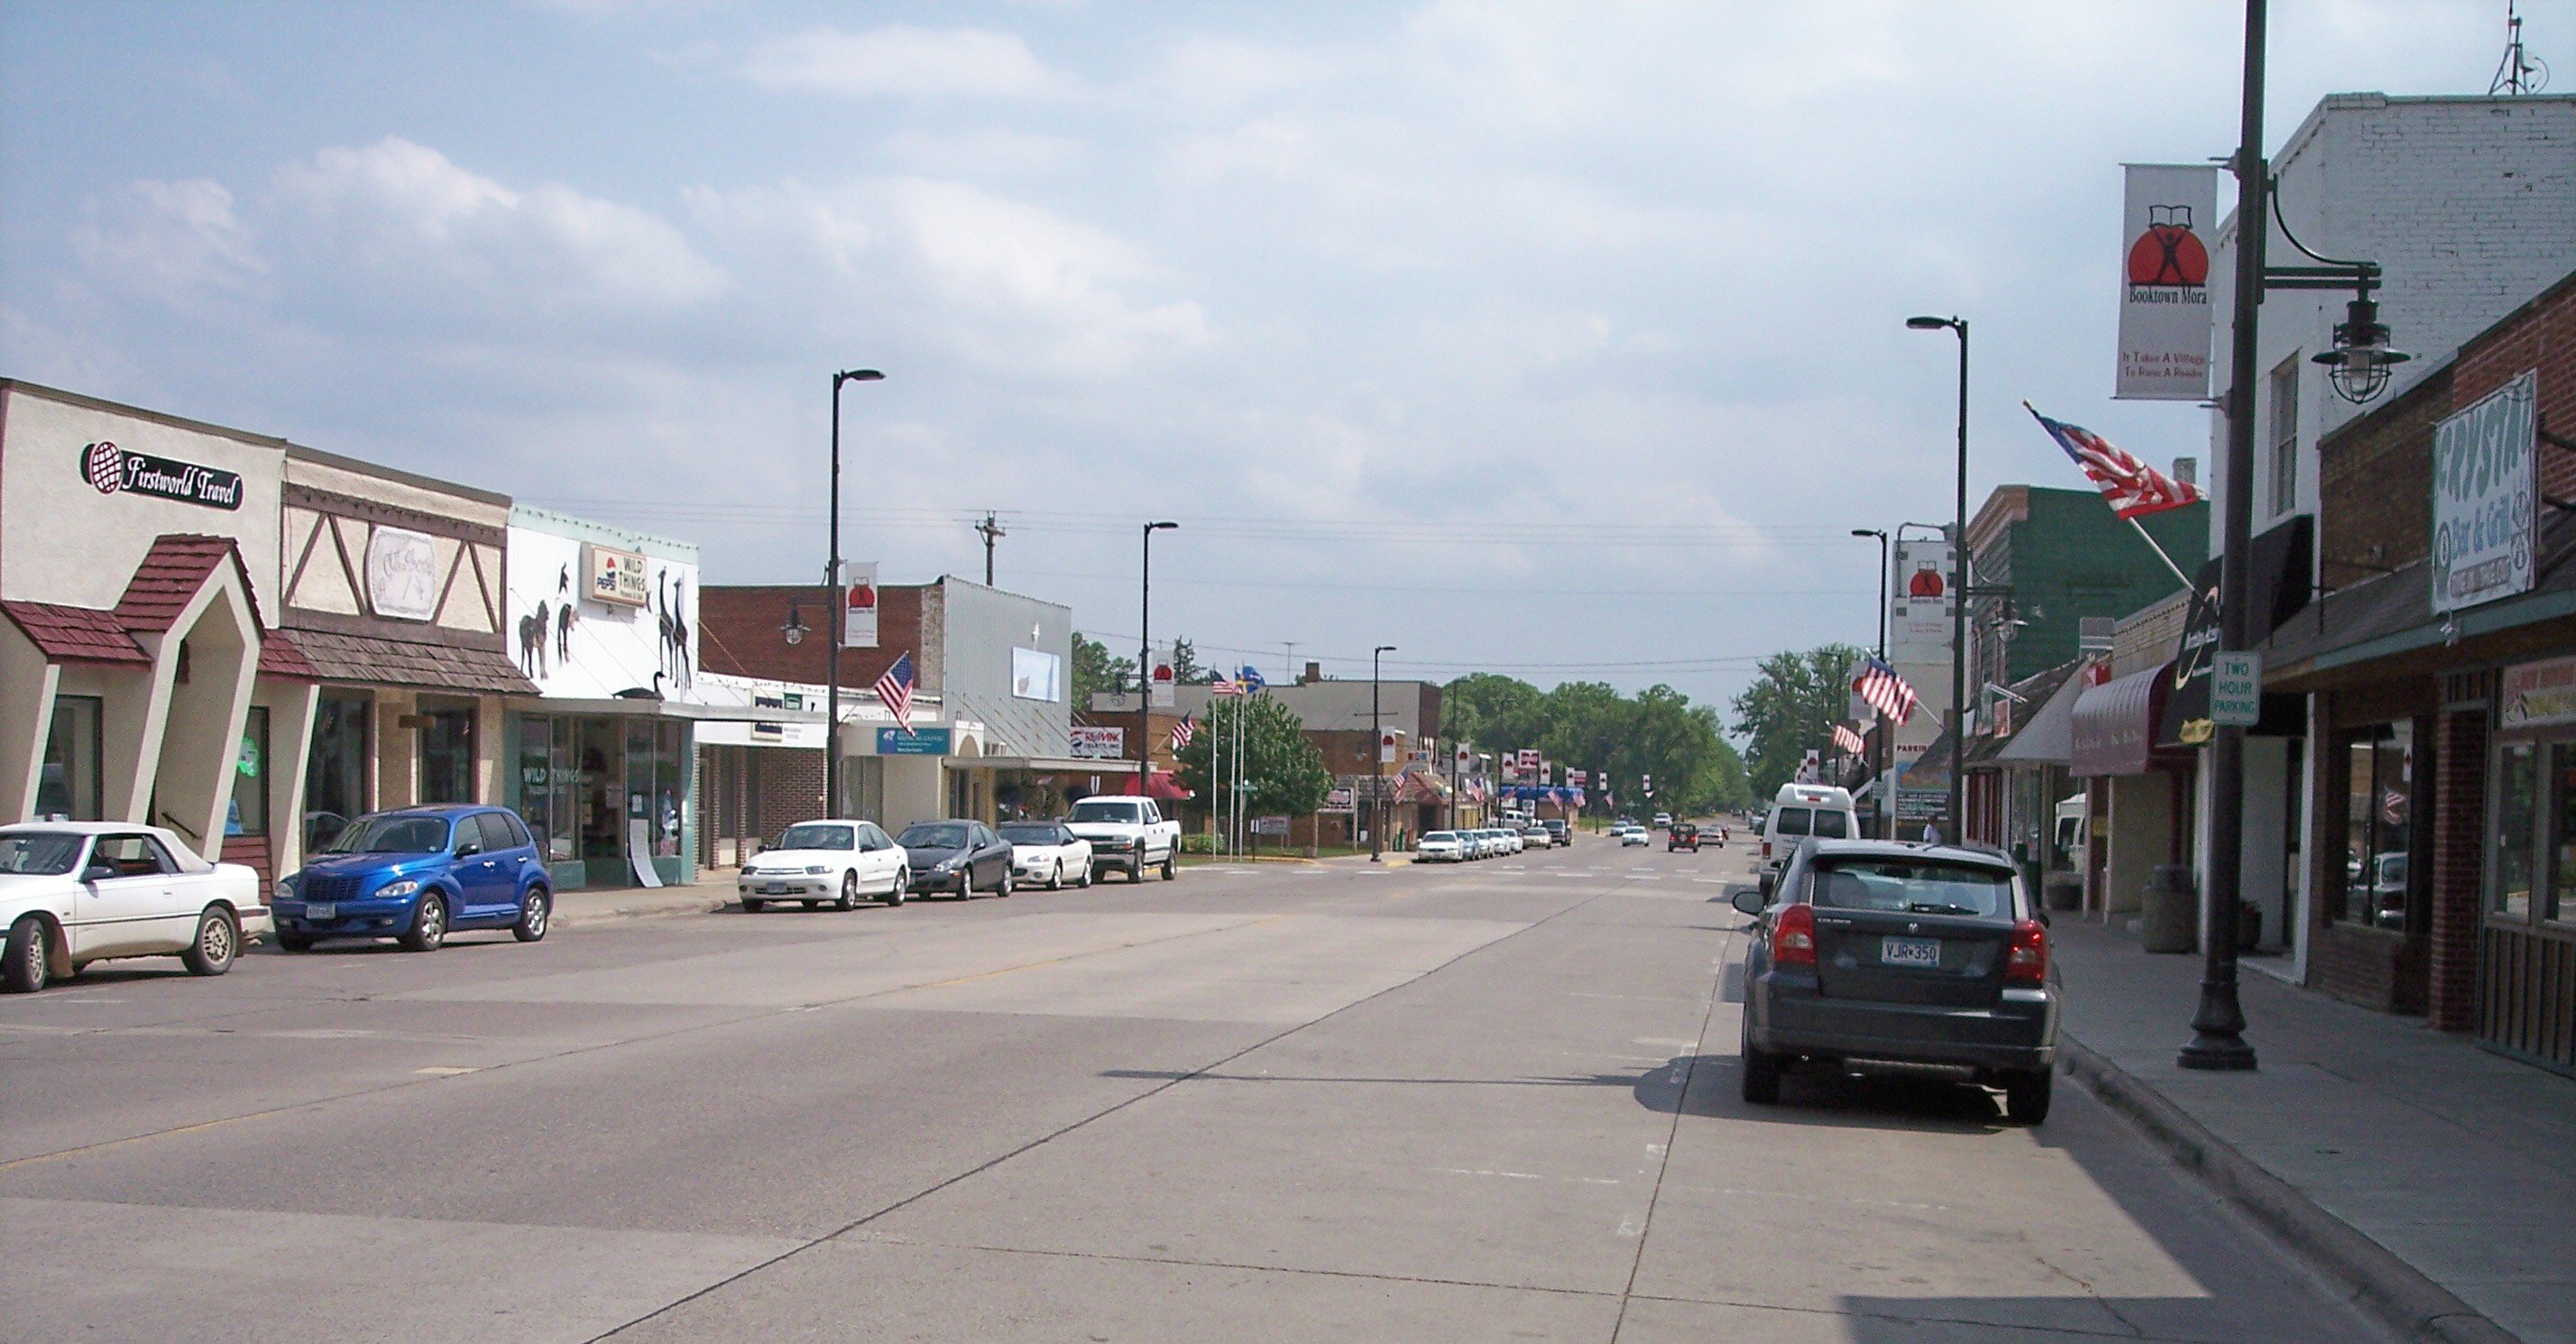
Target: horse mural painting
<point>532,642</point>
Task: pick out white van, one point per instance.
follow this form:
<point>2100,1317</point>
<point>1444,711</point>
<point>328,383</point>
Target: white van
<point>1799,811</point>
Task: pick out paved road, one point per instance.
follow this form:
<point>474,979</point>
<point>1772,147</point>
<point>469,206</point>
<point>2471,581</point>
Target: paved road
<point>1494,1101</point>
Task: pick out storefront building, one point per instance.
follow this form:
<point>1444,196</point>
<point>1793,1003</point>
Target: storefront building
<point>393,585</point>
<point>141,678</point>
<point>601,757</point>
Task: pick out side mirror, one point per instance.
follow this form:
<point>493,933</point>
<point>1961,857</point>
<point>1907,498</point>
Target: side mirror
<point>466,849</point>
<point>98,872</point>
<point>1749,903</point>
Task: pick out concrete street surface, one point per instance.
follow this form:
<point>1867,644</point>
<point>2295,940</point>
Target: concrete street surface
<point>1495,1101</point>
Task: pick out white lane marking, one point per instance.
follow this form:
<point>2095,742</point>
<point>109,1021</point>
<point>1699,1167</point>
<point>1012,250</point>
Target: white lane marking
<point>1525,1176</point>
<point>1627,1227</point>
<point>443,1071</point>
<point>1658,1040</point>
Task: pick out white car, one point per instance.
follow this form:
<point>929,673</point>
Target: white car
<point>1536,837</point>
<point>1635,835</point>
<point>1440,847</point>
<point>834,860</point>
<point>1045,853</point>
<point>1511,840</point>
<point>74,892</point>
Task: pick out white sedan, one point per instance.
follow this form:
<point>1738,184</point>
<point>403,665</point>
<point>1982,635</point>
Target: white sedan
<point>74,892</point>
<point>830,860</point>
<point>1047,853</point>
<point>1635,835</point>
<point>1440,847</point>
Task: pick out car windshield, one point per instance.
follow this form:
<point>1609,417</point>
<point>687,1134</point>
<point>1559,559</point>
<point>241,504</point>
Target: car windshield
<point>391,835</point>
<point>1030,835</point>
<point>1913,887</point>
<point>40,853</point>
<point>814,836</point>
<point>934,835</point>
<point>1444,837</point>
<point>1099,811</point>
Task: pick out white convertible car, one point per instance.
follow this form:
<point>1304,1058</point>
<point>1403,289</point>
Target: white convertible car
<point>74,892</point>
<point>1047,853</point>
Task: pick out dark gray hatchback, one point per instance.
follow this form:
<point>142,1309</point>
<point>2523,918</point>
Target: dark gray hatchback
<point>1871,950</point>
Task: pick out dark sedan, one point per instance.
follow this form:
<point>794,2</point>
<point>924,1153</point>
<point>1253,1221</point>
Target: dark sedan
<point>958,856</point>
<point>1908,954</point>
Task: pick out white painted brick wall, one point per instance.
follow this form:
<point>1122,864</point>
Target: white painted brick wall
<point>2467,203</point>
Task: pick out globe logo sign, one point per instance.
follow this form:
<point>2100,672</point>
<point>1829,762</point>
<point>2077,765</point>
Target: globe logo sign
<point>103,466</point>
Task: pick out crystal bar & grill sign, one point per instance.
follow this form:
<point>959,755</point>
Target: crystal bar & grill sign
<point>110,469</point>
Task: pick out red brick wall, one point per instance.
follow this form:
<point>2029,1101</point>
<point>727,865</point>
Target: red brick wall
<point>2373,479</point>
<point>2459,831</point>
<point>2541,335</point>
<point>739,633</point>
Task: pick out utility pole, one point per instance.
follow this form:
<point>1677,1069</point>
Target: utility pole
<point>840,607</point>
<point>1377,759</point>
<point>1145,665</point>
<point>991,532</point>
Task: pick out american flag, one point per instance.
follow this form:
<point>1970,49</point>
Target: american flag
<point>895,689</point>
<point>1847,740</point>
<point>1225,685</point>
<point>2133,488</point>
<point>1183,731</point>
<point>1881,689</point>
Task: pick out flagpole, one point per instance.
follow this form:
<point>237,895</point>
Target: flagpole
<point>2149,538</point>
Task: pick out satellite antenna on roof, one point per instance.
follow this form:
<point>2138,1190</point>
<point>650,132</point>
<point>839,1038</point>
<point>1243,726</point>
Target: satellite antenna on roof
<point>2519,72</point>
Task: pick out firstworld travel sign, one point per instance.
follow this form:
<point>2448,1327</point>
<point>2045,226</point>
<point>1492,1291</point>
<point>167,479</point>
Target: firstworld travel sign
<point>112,470</point>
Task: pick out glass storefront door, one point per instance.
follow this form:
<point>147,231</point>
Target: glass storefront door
<point>249,811</point>
<point>447,753</point>
<point>335,771</point>
<point>68,786</point>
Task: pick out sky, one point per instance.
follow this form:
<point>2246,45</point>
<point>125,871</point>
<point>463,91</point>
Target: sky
<point>1560,340</point>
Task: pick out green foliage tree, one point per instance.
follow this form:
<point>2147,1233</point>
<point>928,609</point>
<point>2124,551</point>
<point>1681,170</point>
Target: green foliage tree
<point>1588,725</point>
<point>1791,707</point>
<point>1186,670</point>
<point>1283,772</point>
<point>1094,670</point>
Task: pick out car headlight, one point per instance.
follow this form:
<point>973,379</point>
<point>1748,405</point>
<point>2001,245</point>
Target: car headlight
<point>285,890</point>
<point>943,865</point>
<point>816,870</point>
<point>405,887</point>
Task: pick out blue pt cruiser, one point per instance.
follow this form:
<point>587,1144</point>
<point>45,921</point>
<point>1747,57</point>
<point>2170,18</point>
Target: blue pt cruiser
<point>416,875</point>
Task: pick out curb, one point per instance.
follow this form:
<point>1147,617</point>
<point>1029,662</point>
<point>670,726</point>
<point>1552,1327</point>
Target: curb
<point>624,914</point>
<point>2381,1284</point>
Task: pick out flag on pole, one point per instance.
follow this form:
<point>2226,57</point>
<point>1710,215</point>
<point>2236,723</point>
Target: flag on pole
<point>895,689</point>
<point>1251,680</point>
<point>1847,740</point>
<point>1881,689</point>
<point>1225,685</point>
<point>2133,488</point>
<point>1183,731</point>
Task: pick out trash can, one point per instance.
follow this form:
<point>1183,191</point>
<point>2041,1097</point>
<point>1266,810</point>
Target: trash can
<point>2172,910</point>
<point>2064,891</point>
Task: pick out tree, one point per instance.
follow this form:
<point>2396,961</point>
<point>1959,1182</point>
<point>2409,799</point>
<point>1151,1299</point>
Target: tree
<point>1588,725</point>
<point>1186,670</point>
<point>1094,670</point>
<point>1283,773</point>
<point>1791,707</point>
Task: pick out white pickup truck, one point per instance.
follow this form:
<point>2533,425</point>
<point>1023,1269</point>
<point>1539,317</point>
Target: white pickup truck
<point>1128,834</point>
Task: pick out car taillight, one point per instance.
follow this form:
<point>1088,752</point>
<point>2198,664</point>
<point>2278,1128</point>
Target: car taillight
<point>1766,849</point>
<point>1793,936</point>
<point>2026,955</point>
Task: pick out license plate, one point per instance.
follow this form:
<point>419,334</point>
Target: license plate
<point>778,889</point>
<point>321,910</point>
<point>1909,951</point>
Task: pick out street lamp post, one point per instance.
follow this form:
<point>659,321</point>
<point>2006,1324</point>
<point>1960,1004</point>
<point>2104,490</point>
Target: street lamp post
<point>840,607</point>
<point>1377,760</point>
<point>1145,665</point>
<point>1955,807</point>
<point>1886,729</point>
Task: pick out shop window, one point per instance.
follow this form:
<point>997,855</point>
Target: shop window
<point>2378,812</point>
<point>335,771</point>
<point>546,779</point>
<point>447,755</point>
<point>2285,437</point>
<point>2516,828</point>
<point>656,781</point>
<point>68,786</point>
<point>2558,903</point>
<point>249,811</point>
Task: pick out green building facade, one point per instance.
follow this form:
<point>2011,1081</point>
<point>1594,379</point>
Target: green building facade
<point>2064,556</point>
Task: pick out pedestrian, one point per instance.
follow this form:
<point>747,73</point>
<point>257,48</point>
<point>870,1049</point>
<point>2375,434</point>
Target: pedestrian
<point>1931,832</point>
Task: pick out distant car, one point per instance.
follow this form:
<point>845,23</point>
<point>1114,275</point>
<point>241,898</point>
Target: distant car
<point>1683,835</point>
<point>1440,847</point>
<point>1663,819</point>
<point>417,874</point>
<point>1129,833</point>
<point>75,892</point>
<point>1046,852</point>
<point>1877,951</point>
<point>1558,832</point>
<point>834,860</point>
<point>1634,835</point>
<point>1535,836</point>
<point>958,856</point>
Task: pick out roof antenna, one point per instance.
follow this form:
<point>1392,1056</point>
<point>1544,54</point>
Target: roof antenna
<point>2518,73</point>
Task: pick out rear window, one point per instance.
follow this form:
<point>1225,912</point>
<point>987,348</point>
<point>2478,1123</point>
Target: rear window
<point>1830,825</point>
<point>1093,811</point>
<point>1791,820</point>
<point>1911,887</point>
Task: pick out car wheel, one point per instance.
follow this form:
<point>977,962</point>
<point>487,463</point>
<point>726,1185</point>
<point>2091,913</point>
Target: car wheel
<point>2026,1096</point>
<point>1003,888</point>
<point>217,945</point>
<point>428,926</point>
<point>30,959</point>
<point>1055,878</point>
<point>849,892</point>
<point>901,888</point>
<point>294,942</point>
<point>1085,880</point>
<point>1761,1072</point>
<point>753,905</point>
<point>1136,871</point>
<point>1169,872</point>
<point>536,915</point>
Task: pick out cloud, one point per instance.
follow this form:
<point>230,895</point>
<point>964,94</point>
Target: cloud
<point>990,152</point>
<point>179,242</point>
<point>905,61</point>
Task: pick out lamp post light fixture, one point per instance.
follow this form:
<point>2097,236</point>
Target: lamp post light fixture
<point>1956,813</point>
<point>1377,760</point>
<point>1145,664</point>
<point>840,608</point>
<point>1880,758</point>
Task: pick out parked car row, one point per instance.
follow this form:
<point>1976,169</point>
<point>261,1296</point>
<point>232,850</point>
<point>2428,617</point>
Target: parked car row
<point>1487,842</point>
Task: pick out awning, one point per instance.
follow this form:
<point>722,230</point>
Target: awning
<point>1160,784</point>
<point>1049,765</point>
<point>373,661</point>
<point>2048,737</point>
<point>646,707</point>
<point>2114,730</point>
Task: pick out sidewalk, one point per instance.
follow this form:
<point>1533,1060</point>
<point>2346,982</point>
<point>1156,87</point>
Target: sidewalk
<point>578,909</point>
<point>2434,1180</point>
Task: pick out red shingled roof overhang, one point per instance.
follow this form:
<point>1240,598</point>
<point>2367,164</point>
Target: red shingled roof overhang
<point>168,579</point>
<point>75,634</point>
